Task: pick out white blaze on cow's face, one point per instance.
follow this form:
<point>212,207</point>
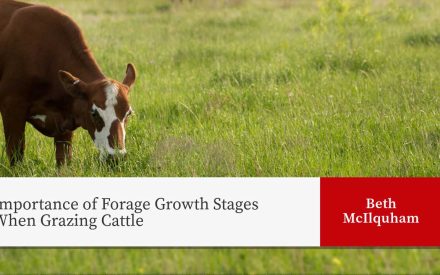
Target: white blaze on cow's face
<point>102,108</point>
<point>109,135</point>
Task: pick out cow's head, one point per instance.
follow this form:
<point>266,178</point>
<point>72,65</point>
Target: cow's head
<point>102,108</point>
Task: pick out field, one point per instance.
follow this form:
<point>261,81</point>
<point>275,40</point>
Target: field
<point>257,88</point>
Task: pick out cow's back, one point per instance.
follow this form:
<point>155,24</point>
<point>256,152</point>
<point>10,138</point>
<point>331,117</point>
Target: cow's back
<point>7,9</point>
<point>37,42</point>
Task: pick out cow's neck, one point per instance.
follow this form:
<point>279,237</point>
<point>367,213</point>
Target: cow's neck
<point>70,115</point>
<point>86,68</point>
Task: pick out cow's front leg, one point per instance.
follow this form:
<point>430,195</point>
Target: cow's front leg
<point>63,148</point>
<point>14,124</point>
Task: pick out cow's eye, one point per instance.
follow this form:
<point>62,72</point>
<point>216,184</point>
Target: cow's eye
<point>94,113</point>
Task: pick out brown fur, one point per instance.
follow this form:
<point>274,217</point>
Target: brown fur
<point>47,69</point>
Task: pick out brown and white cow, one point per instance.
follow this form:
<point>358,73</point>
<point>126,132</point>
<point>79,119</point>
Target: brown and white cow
<point>49,78</point>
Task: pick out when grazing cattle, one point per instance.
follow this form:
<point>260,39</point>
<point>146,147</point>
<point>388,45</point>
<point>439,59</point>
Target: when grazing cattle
<point>49,78</point>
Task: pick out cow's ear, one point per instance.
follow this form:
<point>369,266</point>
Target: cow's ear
<point>130,75</point>
<point>72,84</point>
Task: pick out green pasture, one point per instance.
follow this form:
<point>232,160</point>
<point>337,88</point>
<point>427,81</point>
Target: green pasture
<point>257,88</point>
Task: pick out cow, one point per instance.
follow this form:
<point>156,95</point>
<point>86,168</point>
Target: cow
<point>50,79</point>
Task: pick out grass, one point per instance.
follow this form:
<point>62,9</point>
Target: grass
<point>257,88</point>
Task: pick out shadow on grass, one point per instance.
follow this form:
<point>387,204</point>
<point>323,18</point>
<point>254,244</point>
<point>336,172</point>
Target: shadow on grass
<point>423,39</point>
<point>187,156</point>
<point>354,62</point>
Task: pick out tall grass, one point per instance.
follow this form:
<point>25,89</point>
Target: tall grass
<point>263,88</point>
